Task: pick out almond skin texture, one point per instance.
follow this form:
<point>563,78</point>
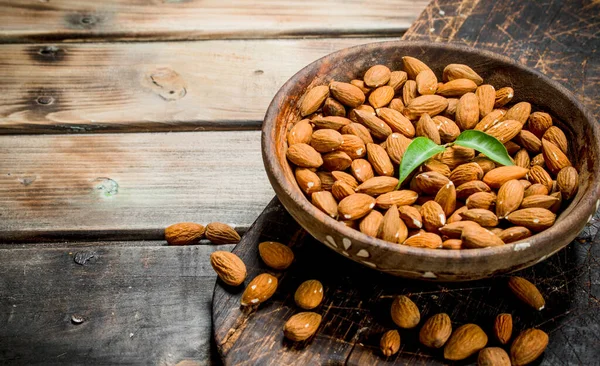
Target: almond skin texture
<point>521,158</point>
<point>436,331</point>
<point>426,82</point>
<point>361,85</point>
<point>465,190</point>
<point>454,229</point>
<point>465,173</point>
<point>567,180</point>
<point>535,219</point>
<point>537,174</point>
<point>503,96</point>
<point>390,343</point>
<point>427,128</point>
<point>447,128</point>
<point>393,228</point>
<point>399,198</point>
<point>527,292</point>
<point>460,71</point>
<point>379,129</point>
<point>378,185</point>
<point>481,216</point>
<point>397,80</point>
<point>465,341</point>
<point>475,237</point>
<point>495,178</point>
<point>411,217</point>
<point>424,240</point>
<point>554,158</point>
<point>486,95</point>
<point>409,92</point>
<point>379,159</point>
<point>304,156</point>
<point>396,121</point>
<point>276,255</point>
<point>313,99</point>
<point>352,145</point>
<point>528,346</point>
<point>539,200</point>
<point>446,198</point>
<point>395,145</point>
<point>356,206</point>
<point>260,289</point>
<point>345,177</point>
<point>397,104</point>
<point>503,326</point>
<point>332,107</point>
<point>467,111</point>
<point>308,180</point>
<point>405,312</point>
<point>519,112</point>
<point>332,122</point>
<point>229,267</point>
<point>301,326</point>
<point>538,123</point>
<point>301,132</point>
<point>325,202</point>
<point>457,88</point>
<point>490,119</point>
<point>362,170</point>
<point>184,233</point>
<point>493,356</point>
<point>433,165</point>
<point>433,216</point>
<point>557,137</point>
<point>309,294</point>
<point>413,66</point>
<point>377,75</point>
<point>529,141</point>
<point>326,140</point>
<point>431,182</point>
<point>219,233</point>
<point>381,96</point>
<point>514,233</point>
<point>358,130</point>
<point>371,224</point>
<point>510,196</point>
<point>339,190</point>
<point>536,188</point>
<point>336,160</point>
<point>483,200</point>
<point>347,94</point>
<point>430,104</point>
<point>505,130</point>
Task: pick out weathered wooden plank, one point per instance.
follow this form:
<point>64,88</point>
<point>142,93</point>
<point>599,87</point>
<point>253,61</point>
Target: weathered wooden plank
<point>141,305</point>
<point>148,86</point>
<point>80,20</point>
<point>128,186</point>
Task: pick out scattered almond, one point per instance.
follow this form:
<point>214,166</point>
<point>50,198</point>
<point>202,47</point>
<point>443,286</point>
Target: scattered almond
<point>503,326</point>
<point>184,233</point>
<point>229,267</point>
<point>276,255</point>
<point>528,346</point>
<point>526,292</point>
<point>405,312</point>
<point>465,341</point>
<point>301,326</point>
<point>309,294</point>
<point>260,289</point>
<point>219,233</point>
<point>493,356</point>
<point>436,331</point>
<point>313,99</point>
<point>390,343</point>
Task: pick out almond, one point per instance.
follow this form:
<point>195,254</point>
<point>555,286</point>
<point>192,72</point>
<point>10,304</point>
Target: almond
<point>390,343</point>
<point>409,92</point>
<point>557,137</point>
<point>557,203</point>
<point>465,173</point>
<point>456,88</point>
<point>326,179</point>
<point>505,130</point>
<point>446,198</point>
<point>229,267</point>
<point>219,233</point>
<point>436,331</point>
<point>493,356</point>
<point>301,326</point>
<point>538,160</point>
<point>452,244</point>
<point>426,82</point>
<point>275,255</point>
<point>301,132</point>
<point>361,85</point>
<point>260,289</point>
<point>486,95</point>
<point>397,80</point>
<point>433,165</point>
<point>521,158</point>
<point>467,111</point>
<point>413,66</point>
<point>308,180</point>
<point>535,189</point>
<point>379,159</point>
<point>510,196</point>
<point>431,182</point>
<point>341,190</point>
<point>347,94</point>
<point>475,237</point>
<point>433,216</point>
<point>495,178</point>
<point>184,233</point>
<point>529,141</point>
<point>411,217</point>
<point>371,224</point>
<point>448,130</point>
<point>332,122</point>
<point>536,219</point>
<point>363,107</point>
<point>396,121</point>
<point>397,104</point>
<point>325,202</point>
<point>485,200</point>
<point>358,130</point>
<point>378,185</point>
<point>379,129</point>
<point>356,206</point>
<point>455,217</point>
<point>511,147</point>
<point>362,170</point>
<point>514,233</point>
<point>345,177</point>
<point>309,294</point>
<point>525,183</point>
<point>490,119</point>
<point>424,240</point>
<point>427,128</point>
<point>399,198</point>
<point>381,96</point>
<point>460,71</point>
<point>377,75</point>
<point>332,107</point>
<point>554,158</point>
<point>539,200</point>
<point>503,96</point>
<point>451,109</point>
<point>393,228</point>
<point>539,122</point>
<point>465,341</point>
<point>455,155</point>
<point>526,292</point>
<point>567,180</point>
<point>304,155</point>
<point>430,104</point>
<point>481,216</point>
<point>336,160</point>
<point>503,326</point>
<point>405,312</point>
<point>465,190</point>
<point>313,99</point>
<point>528,346</point>
<point>326,140</point>
<point>351,145</point>
<point>396,145</point>
<point>519,112</point>
<point>454,229</point>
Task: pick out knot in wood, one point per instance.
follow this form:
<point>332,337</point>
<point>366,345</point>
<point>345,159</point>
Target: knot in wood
<point>168,84</point>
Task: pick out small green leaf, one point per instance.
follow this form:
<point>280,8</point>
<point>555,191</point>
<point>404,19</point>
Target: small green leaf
<point>486,144</point>
<point>419,150</point>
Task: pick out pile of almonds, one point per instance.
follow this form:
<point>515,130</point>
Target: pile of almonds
<point>347,150</point>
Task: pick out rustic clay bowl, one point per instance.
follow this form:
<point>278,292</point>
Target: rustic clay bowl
<point>436,264</point>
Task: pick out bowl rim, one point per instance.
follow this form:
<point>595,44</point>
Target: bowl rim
<point>578,213</point>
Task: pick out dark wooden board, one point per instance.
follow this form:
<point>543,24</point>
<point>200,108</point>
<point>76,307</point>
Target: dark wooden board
<point>139,20</point>
<point>357,301</point>
<point>142,305</point>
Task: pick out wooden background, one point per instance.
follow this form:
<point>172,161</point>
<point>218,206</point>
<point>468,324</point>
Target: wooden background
<point>118,118</point>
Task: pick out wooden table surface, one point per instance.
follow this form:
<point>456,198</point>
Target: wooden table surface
<point>119,118</point>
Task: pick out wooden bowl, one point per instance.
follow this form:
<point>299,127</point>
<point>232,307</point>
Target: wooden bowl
<point>436,264</point>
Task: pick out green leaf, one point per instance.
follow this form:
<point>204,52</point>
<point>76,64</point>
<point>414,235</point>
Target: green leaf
<point>419,150</point>
<point>486,144</point>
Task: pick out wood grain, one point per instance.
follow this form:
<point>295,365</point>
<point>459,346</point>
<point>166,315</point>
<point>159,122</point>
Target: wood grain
<point>128,186</point>
<point>148,86</point>
<point>79,20</point>
<point>141,305</point>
